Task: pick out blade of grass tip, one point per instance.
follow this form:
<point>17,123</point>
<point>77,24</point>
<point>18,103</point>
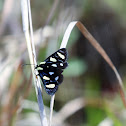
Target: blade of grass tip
<point>63,45</point>
<point>32,56</point>
<point>101,51</point>
<point>97,46</point>
<point>67,34</point>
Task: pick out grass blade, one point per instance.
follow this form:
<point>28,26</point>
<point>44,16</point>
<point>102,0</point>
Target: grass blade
<point>101,51</point>
<point>97,46</point>
<point>26,11</point>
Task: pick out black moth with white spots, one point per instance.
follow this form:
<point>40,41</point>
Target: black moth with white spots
<point>51,70</point>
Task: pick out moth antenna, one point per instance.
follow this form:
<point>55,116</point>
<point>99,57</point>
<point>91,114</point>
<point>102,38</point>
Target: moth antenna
<point>26,64</point>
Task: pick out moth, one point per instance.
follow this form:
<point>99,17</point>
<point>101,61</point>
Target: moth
<point>50,71</point>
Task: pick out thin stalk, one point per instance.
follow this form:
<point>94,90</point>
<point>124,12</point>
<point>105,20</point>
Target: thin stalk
<point>63,45</point>
<point>26,11</point>
<point>31,31</point>
<point>51,109</point>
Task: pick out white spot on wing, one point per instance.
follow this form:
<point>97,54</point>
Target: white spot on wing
<point>39,68</point>
<point>53,59</point>
<point>42,62</point>
<point>50,86</point>
<point>61,64</point>
<point>54,65</point>
<point>46,78</point>
<point>56,78</point>
<point>61,55</point>
<point>50,73</point>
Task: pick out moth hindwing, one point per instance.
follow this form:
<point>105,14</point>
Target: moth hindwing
<point>50,71</point>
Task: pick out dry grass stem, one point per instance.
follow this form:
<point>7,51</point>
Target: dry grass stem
<point>26,11</point>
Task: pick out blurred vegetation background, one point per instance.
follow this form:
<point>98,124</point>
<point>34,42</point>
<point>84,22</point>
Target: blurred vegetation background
<point>88,95</point>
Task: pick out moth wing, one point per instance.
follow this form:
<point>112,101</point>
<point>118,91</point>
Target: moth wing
<point>52,68</point>
<point>52,81</point>
<point>49,83</point>
<point>59,56</point>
